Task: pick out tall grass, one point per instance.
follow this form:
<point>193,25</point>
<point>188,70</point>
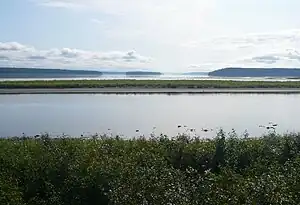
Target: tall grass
<point>148,84</point>
<point>162,170</point>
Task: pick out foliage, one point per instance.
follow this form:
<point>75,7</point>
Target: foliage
<point>159,170</point>
<point>148,84</point>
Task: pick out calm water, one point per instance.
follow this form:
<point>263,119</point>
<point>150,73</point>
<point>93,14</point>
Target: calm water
<point>123,114</point>
<point>162,77</point>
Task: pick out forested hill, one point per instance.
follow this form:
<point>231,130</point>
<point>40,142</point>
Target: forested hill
<point>256,72</point>
<point>45,73</point>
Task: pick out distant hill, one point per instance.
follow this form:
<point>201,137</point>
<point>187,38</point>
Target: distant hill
<point>256,72</point>
<point>45,73</point>
<point>142,73</point>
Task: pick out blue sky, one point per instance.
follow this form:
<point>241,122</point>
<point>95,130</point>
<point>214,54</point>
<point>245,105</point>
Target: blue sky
<point>169,35</point>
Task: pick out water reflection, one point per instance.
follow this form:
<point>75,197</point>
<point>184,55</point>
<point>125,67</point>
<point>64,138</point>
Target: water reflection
<point>136,115</point>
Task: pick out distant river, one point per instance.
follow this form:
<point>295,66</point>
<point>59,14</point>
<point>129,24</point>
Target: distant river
<point>126,114</point>
<point>162,77</point>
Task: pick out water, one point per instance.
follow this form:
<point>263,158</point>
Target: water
<point>124,114</point>
<point>161,77</point>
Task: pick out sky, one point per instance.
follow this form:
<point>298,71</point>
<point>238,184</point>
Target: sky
<point>167,36</point>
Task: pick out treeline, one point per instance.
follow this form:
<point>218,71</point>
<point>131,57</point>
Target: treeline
<point>256,72</point>
<point>45,73</point>
<point>159,170</point>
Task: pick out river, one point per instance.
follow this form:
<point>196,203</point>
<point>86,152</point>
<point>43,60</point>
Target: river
<point>135,115</point>
<point>161,77</point>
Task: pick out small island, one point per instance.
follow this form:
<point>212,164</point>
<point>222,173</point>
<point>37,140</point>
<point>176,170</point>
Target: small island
<point>45,73</point>
<point>256,72</point>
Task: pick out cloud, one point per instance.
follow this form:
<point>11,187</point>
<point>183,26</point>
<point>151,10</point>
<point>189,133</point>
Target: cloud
<point>13,46</point>
<point>130,56</point>
<point>293,55</point>
<point>4,58</point>
<point>178,33</point>
<point>18,55</point>
<point>36,57</point>
<point>268,59</point>
<point>69,53</point>
<point>251,40</point>
<point>62,4</point>
<point>121,6</point>
<point>190,44</point>
<point>288,58</point>
<point>277,49</point>
<point>97,21</point>
<point>195,67</point>
<point>157,20</point>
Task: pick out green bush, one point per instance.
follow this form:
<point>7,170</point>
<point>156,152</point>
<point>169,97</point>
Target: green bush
<point>159,170</point>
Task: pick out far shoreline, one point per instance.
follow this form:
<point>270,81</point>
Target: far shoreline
<point>170,91</point>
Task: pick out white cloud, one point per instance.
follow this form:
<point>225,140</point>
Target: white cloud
<point>4,58</point>
<point>179,33</point>
<point>195,68</point>
<point>70,53</point>
<point>268,59</point>
<point>14,46</point>
<point>157,20</point>
<point>277,49</point>
<point>274,39</point>
<point>293,54</point>
<point>37,57</point>
<point>19,55</point>
<point>61,4</point>
<point>128,6</point>
<point>97,21</point>
<point>289,56</point>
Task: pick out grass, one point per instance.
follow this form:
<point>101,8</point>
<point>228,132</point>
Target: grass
<point>159,170</point>
<point>147,84</point>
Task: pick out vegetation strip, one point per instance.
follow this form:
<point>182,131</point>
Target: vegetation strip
<point>160,170</point>
<point>191,84</point>
<point>170,91</point>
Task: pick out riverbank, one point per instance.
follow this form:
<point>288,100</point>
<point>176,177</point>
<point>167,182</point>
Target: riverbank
<point>150,91</point>
<point>163,170</point>
<point>149,84</point>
